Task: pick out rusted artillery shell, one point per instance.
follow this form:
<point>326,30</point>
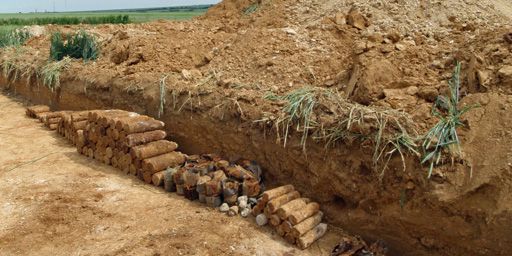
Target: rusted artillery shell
<point>162,162</point>
<point>213,187</point>
<point>290,238</point>
<point>251,187</point>
<point>258,208</point>
<point>190,193</point>
<point>180,190</point>
<point>153,149</point>
<point>276,192</point>
<point>158,179</point>
<point>147,177</point>
<point>201,184</point>
<point>178,176</point>
<point>202,198</point>
<point>277,202</point>
<point>304,213</point>
<point>143,126</point>
<point>307,225</point>
<point>286,226</point>
<point>190,177</point>
<point>32,111</point>
<point>169,184</point>
<point>218,175</point>
<point>287,209</point>
<point>131,117</point>
<point>238,172</point>
<point>274,220</point>
<point>133,169</point>
<point>80,125</point>
<point>311,236</point>
<point>213,201</point>
<point>230,191</point>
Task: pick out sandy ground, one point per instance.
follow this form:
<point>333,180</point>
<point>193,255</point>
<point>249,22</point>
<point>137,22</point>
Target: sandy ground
<point>56,202</point>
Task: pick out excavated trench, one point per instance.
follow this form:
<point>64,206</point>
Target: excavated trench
<point>340,178</point>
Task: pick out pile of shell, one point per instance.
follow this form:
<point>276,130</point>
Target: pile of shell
<point>295,218</point>
<point>130,142</point>
<point>136,145</point>
<point>48,118</point>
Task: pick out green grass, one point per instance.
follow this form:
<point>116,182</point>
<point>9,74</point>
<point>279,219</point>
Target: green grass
<point>10,36</point>
<point>75,20</point>
<point>78,46</point>
<point>51,73</point>
<point>136,17</point>
<point>443,136</point>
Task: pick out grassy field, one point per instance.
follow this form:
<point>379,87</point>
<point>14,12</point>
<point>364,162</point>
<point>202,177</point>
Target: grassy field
<point>135,16</point>
<point>12,21</point>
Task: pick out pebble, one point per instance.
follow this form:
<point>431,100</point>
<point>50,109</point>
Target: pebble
<point>245,212</point>
<point>233,211</point>
<point>224,207</point>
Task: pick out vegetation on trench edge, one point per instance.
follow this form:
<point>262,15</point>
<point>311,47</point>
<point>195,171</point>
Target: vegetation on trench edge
<point>81,45</point>
<point>390,136</point>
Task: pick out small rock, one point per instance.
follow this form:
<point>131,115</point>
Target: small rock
<point>261,219</point>
<point>356,20</point>
<point>505,73</point>
<point>360,47</point>
<point>340,19</point>
<point>428,93</point>
<point>242,199</point>
<point>437,64</point>
<point>400,47</point>
<point>376,38</point>
<point>483,77</point>
<point>224,207</point>
<point>233,211</point>
<point>394,36</point>
<point>290,31</point>
<point>245,212</point>
<point>412,90</point>
<point>386,49</point>
<point>427,242</point>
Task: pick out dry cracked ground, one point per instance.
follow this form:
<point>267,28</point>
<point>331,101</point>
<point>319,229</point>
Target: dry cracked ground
<point>54,201</point>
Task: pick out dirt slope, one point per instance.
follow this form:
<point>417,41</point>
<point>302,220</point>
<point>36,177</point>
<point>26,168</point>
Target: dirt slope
<point>57,202</point>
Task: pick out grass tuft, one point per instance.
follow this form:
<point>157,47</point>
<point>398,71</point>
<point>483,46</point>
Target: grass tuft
<point>163,91</point>
<point>251,8</point>
<point>444,134</point>
<point>51,73</point>
<point>13,37</point>
<point>78,46</point>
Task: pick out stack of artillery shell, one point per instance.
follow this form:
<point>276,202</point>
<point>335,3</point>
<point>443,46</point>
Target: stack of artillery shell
<point>296,219</point>
<point>37,111</point>
<point>51,119</point>
<point>72,125</point>
<point>128,141</point>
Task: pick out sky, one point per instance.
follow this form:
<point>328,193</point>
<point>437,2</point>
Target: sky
<point>14,6</point>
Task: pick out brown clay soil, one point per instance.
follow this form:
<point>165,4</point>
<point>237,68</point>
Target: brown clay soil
<point>57,202</point>
<point>375,62</point>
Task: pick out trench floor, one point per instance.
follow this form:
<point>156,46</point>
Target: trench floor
<point>54,201</point>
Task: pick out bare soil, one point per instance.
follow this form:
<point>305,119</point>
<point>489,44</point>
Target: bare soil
<point>57,202</point>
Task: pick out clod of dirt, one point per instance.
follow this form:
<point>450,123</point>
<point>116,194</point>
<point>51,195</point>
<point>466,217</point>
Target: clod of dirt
<point>356,19</point>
